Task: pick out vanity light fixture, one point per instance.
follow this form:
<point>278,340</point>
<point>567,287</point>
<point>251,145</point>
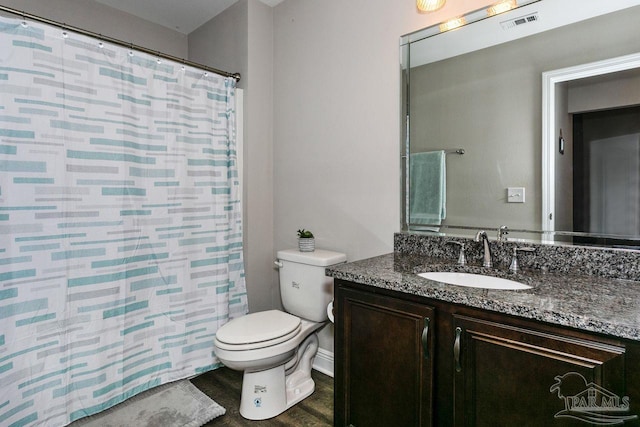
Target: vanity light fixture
<point>503,6</point>
<point>429,5</point>
<point>452,24</point>
<point>496,8</point>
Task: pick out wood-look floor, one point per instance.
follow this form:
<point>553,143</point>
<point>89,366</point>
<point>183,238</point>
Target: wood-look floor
<point>224,385</point>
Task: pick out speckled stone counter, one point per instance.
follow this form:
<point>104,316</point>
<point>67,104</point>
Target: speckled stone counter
<point>588,302</point>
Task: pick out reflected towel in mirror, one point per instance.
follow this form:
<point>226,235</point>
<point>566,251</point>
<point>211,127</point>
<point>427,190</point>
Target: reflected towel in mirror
<point>427,188</point>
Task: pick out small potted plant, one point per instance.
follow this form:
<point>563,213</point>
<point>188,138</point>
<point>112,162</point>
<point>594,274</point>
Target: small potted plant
<point>306,242</point>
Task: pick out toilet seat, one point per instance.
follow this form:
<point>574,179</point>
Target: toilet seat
<point>257,330</point>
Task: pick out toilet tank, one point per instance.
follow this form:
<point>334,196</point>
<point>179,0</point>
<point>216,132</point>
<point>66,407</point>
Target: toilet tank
<point>304,289</point>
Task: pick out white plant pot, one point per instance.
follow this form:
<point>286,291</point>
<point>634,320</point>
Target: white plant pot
<point>306,244</point>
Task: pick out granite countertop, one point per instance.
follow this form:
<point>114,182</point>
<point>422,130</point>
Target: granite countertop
<point>591,303</point>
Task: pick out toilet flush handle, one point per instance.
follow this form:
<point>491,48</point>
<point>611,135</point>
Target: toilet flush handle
<point>278,263</point>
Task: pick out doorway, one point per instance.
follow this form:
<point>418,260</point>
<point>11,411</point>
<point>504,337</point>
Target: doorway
<point>606,174</point>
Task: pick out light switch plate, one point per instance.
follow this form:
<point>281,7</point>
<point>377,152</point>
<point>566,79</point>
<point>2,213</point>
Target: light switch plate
<point>515,195</point>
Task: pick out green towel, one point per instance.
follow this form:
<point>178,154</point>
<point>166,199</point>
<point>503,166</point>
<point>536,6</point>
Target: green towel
<point>427,188</point>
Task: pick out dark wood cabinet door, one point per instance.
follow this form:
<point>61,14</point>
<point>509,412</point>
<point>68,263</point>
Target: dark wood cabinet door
<point>512,376</point>
<point>384,361</point>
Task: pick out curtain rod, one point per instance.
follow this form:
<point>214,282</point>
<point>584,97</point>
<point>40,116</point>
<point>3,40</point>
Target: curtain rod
<point>24,15</point>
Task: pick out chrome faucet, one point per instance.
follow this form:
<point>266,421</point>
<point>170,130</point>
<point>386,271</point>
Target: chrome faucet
<point>462,261</point>
<point>486,258</point>
<point>514,267</point>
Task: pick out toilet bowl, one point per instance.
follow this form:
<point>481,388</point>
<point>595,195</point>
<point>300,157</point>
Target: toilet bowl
<point>268,388</point>
<point>275,349</point>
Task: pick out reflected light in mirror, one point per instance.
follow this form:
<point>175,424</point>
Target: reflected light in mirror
<point>452,24</point>
<point>503,6</point>
<point>429,5</point>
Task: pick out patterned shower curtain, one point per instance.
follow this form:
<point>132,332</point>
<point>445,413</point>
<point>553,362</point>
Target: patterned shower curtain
<point>120,222</point>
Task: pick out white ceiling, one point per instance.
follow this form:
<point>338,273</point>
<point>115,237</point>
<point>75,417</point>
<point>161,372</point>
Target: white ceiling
<point>180,15</point>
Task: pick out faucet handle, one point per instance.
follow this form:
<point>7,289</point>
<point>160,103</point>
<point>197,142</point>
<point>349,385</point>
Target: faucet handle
<point>503,230</point>
<point>514,261</point>
<point>462,261</point>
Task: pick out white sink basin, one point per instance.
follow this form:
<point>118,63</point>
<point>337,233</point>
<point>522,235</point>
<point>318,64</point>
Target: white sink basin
<point>474,280</point>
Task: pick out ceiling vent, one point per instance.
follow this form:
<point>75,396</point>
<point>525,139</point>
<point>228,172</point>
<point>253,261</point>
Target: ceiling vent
<point>522,20</point>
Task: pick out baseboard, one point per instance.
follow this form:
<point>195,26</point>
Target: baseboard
<point>323,362</point>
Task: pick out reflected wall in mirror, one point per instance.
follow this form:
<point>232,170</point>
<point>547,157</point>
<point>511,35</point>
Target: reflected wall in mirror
<point>489,103</point>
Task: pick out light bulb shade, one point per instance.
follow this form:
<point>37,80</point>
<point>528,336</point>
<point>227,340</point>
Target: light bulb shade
<point>452,24</point>
<point>429,5</point>
<point>501,7</point>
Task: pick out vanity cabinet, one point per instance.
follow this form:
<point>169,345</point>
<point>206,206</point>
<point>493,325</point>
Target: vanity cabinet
<point>476,368</point>
<point>385,369</point>
<point>504,374</point>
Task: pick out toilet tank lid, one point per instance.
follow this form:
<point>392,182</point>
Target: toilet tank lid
<point>319,257</point>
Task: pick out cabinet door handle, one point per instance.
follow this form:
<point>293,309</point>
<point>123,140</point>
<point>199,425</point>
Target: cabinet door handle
<point>456,349</point>
<point>425,338</point>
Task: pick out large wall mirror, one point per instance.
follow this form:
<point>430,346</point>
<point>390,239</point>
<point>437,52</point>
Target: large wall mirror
<point>478,90</point>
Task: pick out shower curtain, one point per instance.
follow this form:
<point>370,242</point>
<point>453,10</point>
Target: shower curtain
<point>120,222</point>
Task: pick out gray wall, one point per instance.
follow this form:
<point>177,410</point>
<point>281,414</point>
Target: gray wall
<point>599,94</point>
<point>336,128</point>
<point>101,19</point>
<point>259,161</point>
<point>222,42</point>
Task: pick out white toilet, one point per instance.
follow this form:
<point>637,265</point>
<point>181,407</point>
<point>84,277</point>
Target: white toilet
<point>276,349</point>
